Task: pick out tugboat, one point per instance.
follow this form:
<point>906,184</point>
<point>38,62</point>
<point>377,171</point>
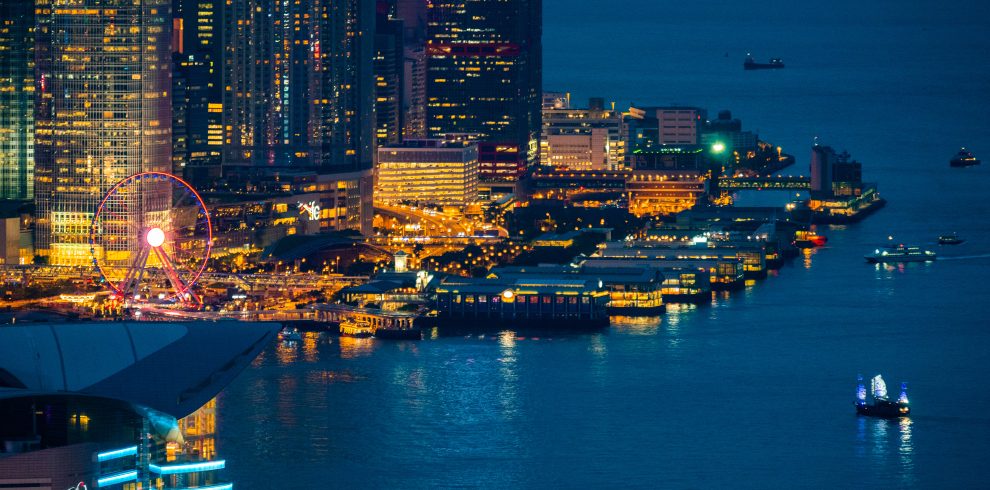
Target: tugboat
<point>808,239</point>
<point>900,253</point>
<point>950,239</point>
<point>881,407</point>
<point>751,64</point>
<point>964,158</point>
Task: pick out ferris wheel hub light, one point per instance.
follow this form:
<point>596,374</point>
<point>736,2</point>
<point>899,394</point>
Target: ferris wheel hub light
<point>156,237</point>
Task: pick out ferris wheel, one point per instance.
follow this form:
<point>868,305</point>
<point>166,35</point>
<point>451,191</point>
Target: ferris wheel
<point>151,238</point>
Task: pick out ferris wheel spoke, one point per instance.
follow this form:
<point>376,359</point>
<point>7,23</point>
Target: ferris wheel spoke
<point>132,278</point>
<point>180,287</point>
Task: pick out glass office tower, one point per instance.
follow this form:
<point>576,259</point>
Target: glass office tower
<point>102,112</point>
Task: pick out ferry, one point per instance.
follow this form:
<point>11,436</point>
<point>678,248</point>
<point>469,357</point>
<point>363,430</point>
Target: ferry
<point>882,406</point>
<point>356,328</point>
<point>964,158</point>
<point>751,64</point>
<point>900,253</point>
<point>808,239</point>
<point>950,239</point>
<point>289,334</point>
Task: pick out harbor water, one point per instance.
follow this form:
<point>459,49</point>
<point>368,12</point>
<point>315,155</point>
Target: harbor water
<point>755,389</point>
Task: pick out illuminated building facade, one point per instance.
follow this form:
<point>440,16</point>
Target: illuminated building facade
<point>484,73</point>
<point>17,28</point>
<point>413,16</point>
<point>583,139</point>
<point>197,125</point>
<point>389,71</point>
<point>429,172</point>
<point>536,300</point>
<point>298,90</point>
<point>103,112</point>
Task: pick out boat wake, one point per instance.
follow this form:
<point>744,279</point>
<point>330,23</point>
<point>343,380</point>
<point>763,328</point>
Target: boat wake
<point>964,257</point>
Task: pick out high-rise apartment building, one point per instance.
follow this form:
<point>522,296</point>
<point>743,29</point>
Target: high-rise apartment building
<point>103,112</point>
<point>298,92</point>
<point>389,71</point>
<point>197,126</point>
<point>16,99</point>
<point>484,73</point>
<point>413,15</point>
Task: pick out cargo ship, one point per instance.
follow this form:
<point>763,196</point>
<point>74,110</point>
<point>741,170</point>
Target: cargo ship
<point>900,253</point>
<point>881,406</point>
<point>752,64</point>
<point>964,158</point>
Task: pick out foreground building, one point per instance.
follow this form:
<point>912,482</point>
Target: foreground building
<point>95,406</point>
<point>431,171</point>
<point>103,112</point>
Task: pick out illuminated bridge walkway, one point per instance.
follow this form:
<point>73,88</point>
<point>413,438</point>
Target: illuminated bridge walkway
<point>770,183</point>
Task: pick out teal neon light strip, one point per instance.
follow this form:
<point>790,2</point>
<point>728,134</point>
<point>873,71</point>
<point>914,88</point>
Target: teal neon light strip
<point>222,486</point>
<point>176,469</point>
<point>116,478</point>
<point>117,453</point>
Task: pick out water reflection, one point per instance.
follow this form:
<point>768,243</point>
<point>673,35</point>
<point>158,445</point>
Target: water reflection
<point>352,347</point>
<point>884,442</point>
<point>806,255</point>
<point>636,325</point>
<point>287,351</point>
<point>310,342</point>
<point>507,390</point>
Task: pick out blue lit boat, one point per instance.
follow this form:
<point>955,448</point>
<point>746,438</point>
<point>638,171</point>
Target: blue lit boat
<point>900,253</point>
<point>881,406</point>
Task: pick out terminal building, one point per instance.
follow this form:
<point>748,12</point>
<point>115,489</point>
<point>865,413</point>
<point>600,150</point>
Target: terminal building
<point>532,301</point>
<point>633,291</point>
<point>428,171</point>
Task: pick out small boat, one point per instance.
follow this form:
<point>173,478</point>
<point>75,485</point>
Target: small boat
<point>289,334</point>
<point>964,158</point>
<point>882,406</point>
<point>900,253</point>
<point>950,239</point>
<point>356,328</point>
<point>808,239</point>
<point>751,64</point>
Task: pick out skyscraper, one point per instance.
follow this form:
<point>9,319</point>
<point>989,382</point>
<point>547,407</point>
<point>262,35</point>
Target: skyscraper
<point>197,125</point>
<point>16,99</point>
<point>298,92</point>
<point>103,112</point>
<point>484,73</point>
<point>389,71</point>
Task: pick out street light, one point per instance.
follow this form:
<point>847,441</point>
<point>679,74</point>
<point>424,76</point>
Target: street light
<point>718,147</point>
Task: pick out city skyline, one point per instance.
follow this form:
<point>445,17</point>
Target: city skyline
<point>491,244</point>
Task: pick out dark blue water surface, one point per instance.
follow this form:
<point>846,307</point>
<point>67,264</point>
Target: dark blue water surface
<point>754,390</point>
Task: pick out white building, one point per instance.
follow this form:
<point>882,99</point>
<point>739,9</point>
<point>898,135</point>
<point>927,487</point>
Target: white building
<point>428,171</point>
